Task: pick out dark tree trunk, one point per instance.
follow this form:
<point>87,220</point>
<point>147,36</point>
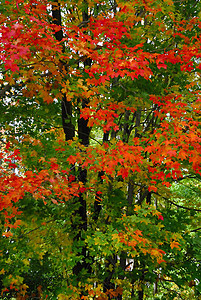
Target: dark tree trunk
<point>81,226</point>
<point>79,218</point>
<point>78,227</point>
<point>66,106</point>
<point>107,284</point>
<point>140,295</point>
<point>68,127</point>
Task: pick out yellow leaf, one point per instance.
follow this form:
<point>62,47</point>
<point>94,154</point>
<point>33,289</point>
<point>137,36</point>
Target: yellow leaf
<point>62,297</point>
<point>110,267</point>
<point>115,236</point>
<point>26,261</point>
<point>2,271</point>
<point>137,207</point>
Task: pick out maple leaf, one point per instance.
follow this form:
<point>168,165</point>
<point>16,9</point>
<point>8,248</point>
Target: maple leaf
<point>174,244</point>
<point>152,188</point>
<point>82,189</point>
<point>7,234</point>
<point>2,271</point>
<point>160,217</point>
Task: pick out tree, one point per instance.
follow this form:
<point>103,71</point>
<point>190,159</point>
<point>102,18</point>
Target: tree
<point>100,105</point>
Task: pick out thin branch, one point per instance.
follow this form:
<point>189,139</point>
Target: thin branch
<point>82,133</point>
<point>171,290</point>
<point>187,176</point>
<point>32,230</point>
<point>8,87</point>
<point>181,206</point>
<point>197,229</point>
<point>83,23</point>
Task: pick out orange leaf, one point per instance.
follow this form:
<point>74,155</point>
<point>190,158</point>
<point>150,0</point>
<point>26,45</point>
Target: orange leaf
<point>174,244</point>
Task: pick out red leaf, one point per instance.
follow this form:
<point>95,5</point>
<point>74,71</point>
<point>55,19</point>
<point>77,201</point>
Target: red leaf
<point>82,189</point>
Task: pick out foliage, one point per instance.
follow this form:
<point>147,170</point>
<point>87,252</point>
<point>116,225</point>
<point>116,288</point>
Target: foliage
<point>100,149</point>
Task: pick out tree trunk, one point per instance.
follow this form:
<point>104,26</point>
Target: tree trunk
<point>66,106</point>
<point>81,213</point>
<point>79,219</point>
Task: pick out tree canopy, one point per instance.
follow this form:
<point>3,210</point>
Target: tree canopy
<point>100,175</point>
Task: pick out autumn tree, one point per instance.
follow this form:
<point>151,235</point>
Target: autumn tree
<point>100,123</point>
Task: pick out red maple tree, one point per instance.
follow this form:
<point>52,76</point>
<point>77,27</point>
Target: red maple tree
<point>100,115</point>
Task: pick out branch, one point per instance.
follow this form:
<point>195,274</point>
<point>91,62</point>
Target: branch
<point>8,87</point>
<point>82,133</point>
<point>177,205</point>
<point>83,23</point>
<point>194,230</point>
<point>172,290</point>
<point>28,232</point>
<point>181,206</point>
<point>187,176</point>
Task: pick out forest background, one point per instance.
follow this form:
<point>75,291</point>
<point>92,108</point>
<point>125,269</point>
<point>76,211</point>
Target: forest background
<point>100,175</point>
